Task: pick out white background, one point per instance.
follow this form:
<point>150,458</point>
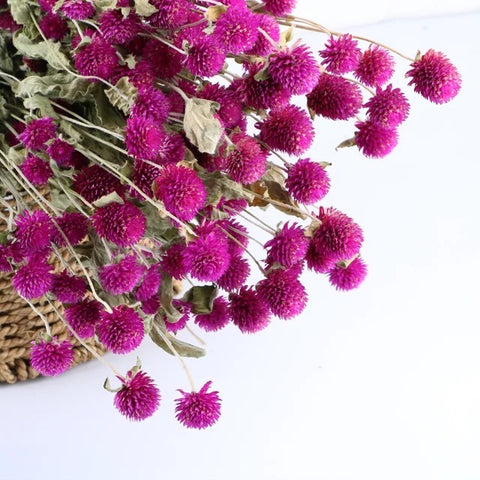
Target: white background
<point>380,383</point>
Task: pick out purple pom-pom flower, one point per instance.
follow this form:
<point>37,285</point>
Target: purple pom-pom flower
<point>51,357</point>
<point>348,275</point>
<point>121,277</point>
<point>307,181</point>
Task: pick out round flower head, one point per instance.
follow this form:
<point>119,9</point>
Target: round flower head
<point>151,103</point>
<point>341,55</point>
<point>236,274</point>
<point>83,316</point>
<point>8,23</point>
<point>151,305</point>
<point>47,5</point>
<point>295,69</point>
<point>33,279</point>
<point>95,182</point>
<point>376,67</point>
<point>181,191</point>
<point>335,97</point>
<point>68,288</point>
<point>164,61</point>
<point>173,261</point>
<point>61,152</point>
<point>118,29</point>
<point>77,9</point>
<point>198,409</point>
<point>4,263</point>
<point>121,223</point>
<point>388,107</point>
<point>171,14</point>
<point>434,77</point>
<point>283,293</point>
<point>263,46</point>
<point>287,129</point>
<point>279,8</point>
<point>143,176</point>
<point>142,74</point>
<point>121,331</point>
<point>185,310</point>
<point>121,277</point>
<point>288,247</point>
<point>36,170</point>
<point>249,312</point>
<point>73,225</point>
<point>307,181</point>
<point>143,137</point>
<point>53,26</point>
<point>205,56</point>
<point>217,319</point>
<point>375,140</point>
<point>77,39</point>
<point>51,357</point>
<point>348,277</point>
<point>150,284</point>
<point>172,149</point>
<point>139,398</point>
<point>96,59</point>
<point>37,132</point>
<point>34,231</point>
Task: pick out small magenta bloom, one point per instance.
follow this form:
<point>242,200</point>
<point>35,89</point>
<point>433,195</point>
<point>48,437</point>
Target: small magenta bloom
<point>95,182</point>
<point>263,46</point>
<point>171,14</point>
<point>151,103</point>
<point>51,357</point>
<point>388,107</point>
<point>307,181</point>
<point>61,152</point>
<point>205,56</point>
<point>435,77</point>
<point>53,26</point>
<point>185,309</point>
<point>139,397</point>
<point>249,311</point>
<point>341,54</point>
<point>348,277</point>
<point>335,97</point>
<point>143,137</point>
<point>173,261</point>
<point>150,284</point>
<point>143,176</point>
<point>77,9</point>
<point>96,59</point>
<point>36,170</point>
<point>236,274</point>
<point>121,331</point>
<point>37,133</point>
<point>34,231</point>
<point>121,277</point>
<point>68,288</point>
<point>217,319</point>
<point>288,247</point>
<point>375,140</point>
<point>198,409</point>
<point>83,317</point>
<point>164,61</point>
<point>151,305</point>
<point>376,67</point>
<point>279,8</point>
<point>8,23</point>
<point>118,29</point>
<point>73,225</point>
<point>33,279</point>
<point>171,150</point>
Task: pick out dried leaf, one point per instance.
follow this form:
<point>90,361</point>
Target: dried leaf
<point>6,63</point>
<point>201,298</point>
<point>214,12</point>
<point>144,8</point>
<point>39,102</point>
<point>350,142</point>
<point>123,95</point>
<point>286,36</point>
<point>112,197</point>
<point>219,185</point>
<point>184,349</point>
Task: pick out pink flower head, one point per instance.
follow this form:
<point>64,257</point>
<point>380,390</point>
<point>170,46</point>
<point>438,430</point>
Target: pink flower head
<point>348,277</point>
<point>376,67</point>
<point>95,182</point>
<point>185,309</point>
<point>47,5</point>
<point>8,23</point>
<point>121,331</point>
<point>83,317</point>
<point>68,288</point>
<point>51,357</point>
<point>181,191</point>
<point>96,59</point>
<point>279,8</point>
<point>151,305</point>
<point>121,223</point>
<point>249,311</point>
<point>121,277</point>
<point>173,261</point>
<point>198,409</point>
<point>335,97</point>
<point>143,137</point>
<point>77,39</point>
<point>375,140</point>
<point>388,107</point>
<point>53,26</point>
<point>143,176</point>
<point>34,231</point>
<point>118,29</point>
<point>61,152</point>
<point>171,150</point>
<point>165,62</point>
<point>150,284</point>
<point>142,74</point>
<point>36,170</point>
<point>287,129</point>
<point>33,279</point>
<point>435,77</point>
<point>4,263</point>
<point>295,69</point>
<point>263,46</point>
<point>236,274</point>
<point>341,54</point>
<point>171,14</point>
<point>237,235</point>
<point>283,293</point>
<point>205,56</point>
<point>77,9</point>
<point>217,319</point>
<point>74,226</point>
<point>307,181</point>
<point>139,397</point>
<point>37,132</point>
<point>151,103</point>
<point>288,247</point>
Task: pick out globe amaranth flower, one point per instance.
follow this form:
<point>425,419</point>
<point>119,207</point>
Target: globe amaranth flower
<point>68,288</point>
<point>121,330</point>
<point>37,133</point>
<point>375,140</point>
<point>121,277</point>
<point>170,15</point>
<point>36,170</point>
<point>95,182</point>
<point>435,77</point>
<point>150,284</point>
<point>33,279</point>
<point>287,129</point>
<point>8,23</point>
<point>53,26</point>
<point>185,309</point>
<point>348,276</point>
<point>47,5</point>
<point>335,97</point>
<point>77,9</point>
<point>307,181</point>
<point>151,305</point>
<point>4,263</point>
<point>181,191</point>
<point>171,150</point>
<point>236,274</point>
<point>34,231</point>
<point>143,176</point>
<point>288,247</point>
<point>96,59</point>
<point>121,223</point>
<point>388,107</point>
<point>141,75</point>
<point>376,67</point>
<point>279,8</point>
<point>151,103</point>
<point>139,397</point>
<point>164,61</point>
<point>51,357</point>
<point>248,311</point>
<point>143,137</point>
<point>263,45</point>
<point>117,28</point>
<point>295,69</point>
<point>83,317</point>
<point>74,226</point>
<point>61,152</point>
<point>341,55</point>
<point>217,319</point>
<point>173,262</point>
<point>283,293</point>
<point>198,409</point>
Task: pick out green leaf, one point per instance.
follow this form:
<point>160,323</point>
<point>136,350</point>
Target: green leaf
<point>184,349</point>
<point>219,185</point>
<point>3,110</point>
<point>123,95</point>
<point>112,197</point>
<point>39,102</point>
<point>157,225</point>
<point>109,117</point>
<point>105,4</point>
<point>144,8</point>
<point>19,11</point>
<point>201,298</point>
<point>6,63</point>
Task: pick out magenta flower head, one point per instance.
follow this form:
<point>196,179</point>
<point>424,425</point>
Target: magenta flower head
<point>248,311</point>
<point>150,284</point>
<point>295,69</point>
<point>263,46</point>
<point>121,331</point>
<point>68,288</point>
<point>181,191</point>
<point>171,14</point>
<point>376,67</point>
<point>217,319</point>
<point>348,276</point>
<point>8,23</point>
<point>279,8</point>
<point>435,77</point>
<point>61,152</point>
<point>73,225</point>
<point>164,61</point>
<point>53,26</point>
<point>335,97</point>
<point>307,181</point>
<point>139,397</point>
<point>143,137</point>
<point>388,107</point>
<point>37,133</point>
<point>341,55</point>
<point>51,357</point>
<point>205,55</point>
<point>375,140</point>
<point>77,9</point>
<point>151,103</point>
<point>83,317</point>
<point>173,262</point>
<point>185,309</point>
<point>36,170</point>
<point>236,274</point>
<point>96,59</point>
<point>288,247</point>
<point>33,279</point>
<point>95,182</point>
<point>287,129</point>
<point>143,176</point>
<point>121,277</point>
<point>121,223</point>
<point>198,409</point>
<point>118,29</point>
<point>34,231</point>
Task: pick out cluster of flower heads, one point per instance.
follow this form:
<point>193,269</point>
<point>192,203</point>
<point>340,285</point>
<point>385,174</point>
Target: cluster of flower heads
<point>200,146</point>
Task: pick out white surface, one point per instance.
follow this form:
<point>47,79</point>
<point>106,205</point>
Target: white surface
<point>380,383</point>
